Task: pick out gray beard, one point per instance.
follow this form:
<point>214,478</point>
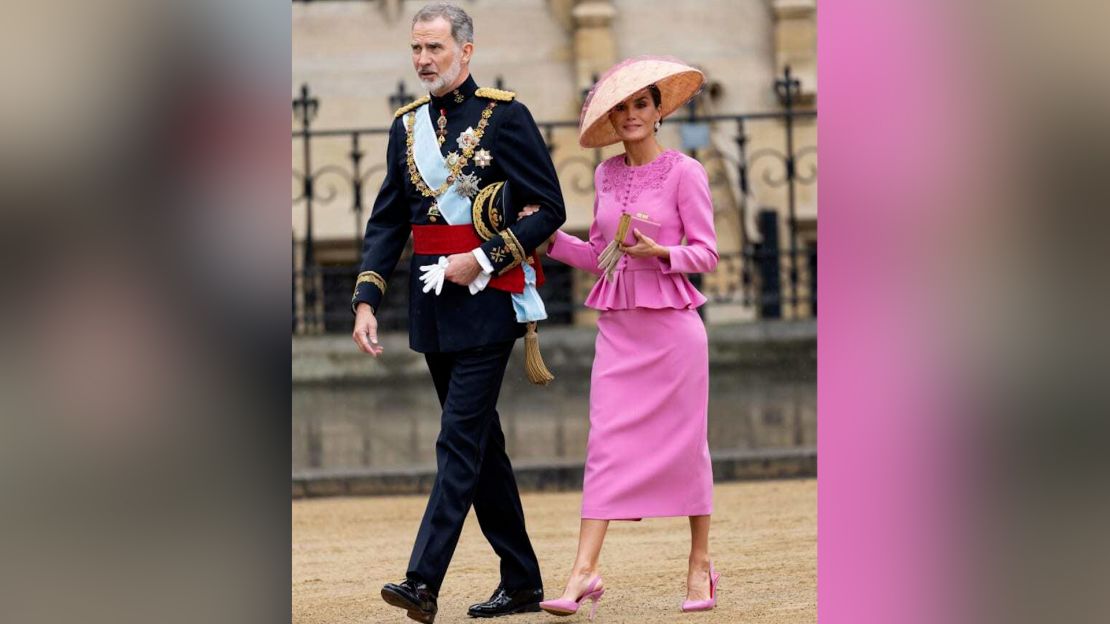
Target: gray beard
<point>441,82</point>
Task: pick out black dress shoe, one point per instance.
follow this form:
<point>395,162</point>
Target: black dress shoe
<point>414,597</point>
<point>505,602</point>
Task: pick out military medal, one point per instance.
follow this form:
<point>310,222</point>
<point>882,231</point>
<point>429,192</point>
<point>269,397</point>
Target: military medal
<point>482,158</point>
<point>458,97</point>
<point>442,123</point>
<point>467,185</point>
<point>468,139</point>
<point>433,212</point>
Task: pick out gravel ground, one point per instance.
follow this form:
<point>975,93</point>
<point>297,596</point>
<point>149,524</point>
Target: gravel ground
<point>763,542</point>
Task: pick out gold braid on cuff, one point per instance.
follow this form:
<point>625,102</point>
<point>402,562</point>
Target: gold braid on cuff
<point>515,248</point>
<point>370,277</point>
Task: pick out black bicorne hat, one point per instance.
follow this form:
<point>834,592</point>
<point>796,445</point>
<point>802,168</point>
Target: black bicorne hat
<point>490,210</point>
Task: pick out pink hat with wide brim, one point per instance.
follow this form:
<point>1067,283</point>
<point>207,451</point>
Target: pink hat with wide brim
<point>677,82</point>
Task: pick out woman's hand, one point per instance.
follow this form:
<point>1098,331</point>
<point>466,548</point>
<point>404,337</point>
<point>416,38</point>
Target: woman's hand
<point>645,248</point>
<point>530,210</point>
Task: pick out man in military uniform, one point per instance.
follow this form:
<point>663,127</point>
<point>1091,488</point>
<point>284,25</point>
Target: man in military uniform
<point>465,164</point>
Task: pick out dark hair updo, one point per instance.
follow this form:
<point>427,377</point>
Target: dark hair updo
<point>656,96</point>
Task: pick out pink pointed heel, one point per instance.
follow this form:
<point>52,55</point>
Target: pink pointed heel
<point>705,605</point>
<point>570,607</point>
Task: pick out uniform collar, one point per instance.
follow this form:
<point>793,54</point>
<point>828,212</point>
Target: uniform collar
<point>457,96</point>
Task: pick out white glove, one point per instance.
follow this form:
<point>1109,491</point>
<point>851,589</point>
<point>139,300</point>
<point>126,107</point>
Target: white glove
<point>479,283</point>
<point>434,274</point>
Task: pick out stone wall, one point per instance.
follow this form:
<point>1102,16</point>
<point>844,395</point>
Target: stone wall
<point>365,425</point>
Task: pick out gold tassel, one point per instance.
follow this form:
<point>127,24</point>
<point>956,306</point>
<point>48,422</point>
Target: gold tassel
<point>533,361</point>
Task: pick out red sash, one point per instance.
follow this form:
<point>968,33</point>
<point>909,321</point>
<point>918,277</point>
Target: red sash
<point>444,240</point>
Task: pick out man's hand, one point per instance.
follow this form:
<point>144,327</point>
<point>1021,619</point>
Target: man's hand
<point>366,330</point>
<point>462,268</point>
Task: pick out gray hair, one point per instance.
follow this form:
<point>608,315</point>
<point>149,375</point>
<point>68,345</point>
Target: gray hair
<point>462,27</point>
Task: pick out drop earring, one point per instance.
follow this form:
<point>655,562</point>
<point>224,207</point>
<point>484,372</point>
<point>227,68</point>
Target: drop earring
<point>658,124</point>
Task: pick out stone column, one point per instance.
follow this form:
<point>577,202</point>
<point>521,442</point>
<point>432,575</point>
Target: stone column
<point>796,42</point>
<point>595,48</point>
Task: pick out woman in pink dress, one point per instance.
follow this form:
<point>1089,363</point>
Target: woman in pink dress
<point>647,453</point>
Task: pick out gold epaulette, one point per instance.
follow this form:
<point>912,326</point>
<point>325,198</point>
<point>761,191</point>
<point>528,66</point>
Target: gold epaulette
<point>495,94</point>
<point>411,105</point>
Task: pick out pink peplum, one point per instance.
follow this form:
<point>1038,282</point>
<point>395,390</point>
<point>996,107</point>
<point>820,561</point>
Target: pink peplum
<point>649,387</point>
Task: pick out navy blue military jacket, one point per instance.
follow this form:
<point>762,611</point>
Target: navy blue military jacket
<point>456,320</point>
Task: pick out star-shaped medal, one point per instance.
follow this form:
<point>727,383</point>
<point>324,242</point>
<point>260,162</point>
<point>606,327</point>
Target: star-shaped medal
<point>482,158</point>
<point>467,138</point>
<point>467,185</point>
<point>452,159</point>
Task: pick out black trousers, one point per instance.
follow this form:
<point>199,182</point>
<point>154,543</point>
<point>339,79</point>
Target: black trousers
<point>473,469</point>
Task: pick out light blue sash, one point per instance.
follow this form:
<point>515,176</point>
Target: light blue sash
<point>528,305</point>
<point>455,208</point>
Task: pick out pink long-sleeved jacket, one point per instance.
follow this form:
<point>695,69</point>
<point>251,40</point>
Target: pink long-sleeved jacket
<point>672,190</point>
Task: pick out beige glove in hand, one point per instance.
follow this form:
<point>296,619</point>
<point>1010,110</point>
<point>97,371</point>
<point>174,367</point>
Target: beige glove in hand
<point>609,258</point>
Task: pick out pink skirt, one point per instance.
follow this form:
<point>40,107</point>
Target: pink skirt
<point>647,454</point>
